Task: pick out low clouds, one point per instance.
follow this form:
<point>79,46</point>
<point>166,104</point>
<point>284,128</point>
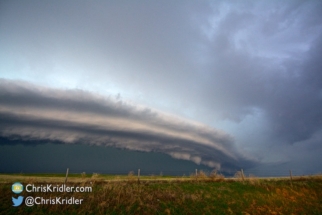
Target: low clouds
<point>33,113</point>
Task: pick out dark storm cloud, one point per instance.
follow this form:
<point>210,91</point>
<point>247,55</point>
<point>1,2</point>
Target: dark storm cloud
<point>34,114</point>
<point>211,61</point>
<point>266,57</point>
<point>297,113</point>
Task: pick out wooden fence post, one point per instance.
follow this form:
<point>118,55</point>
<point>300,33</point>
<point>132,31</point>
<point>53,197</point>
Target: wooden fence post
<point>291,178</point>
<point>242,174</point>
<point>66,175</point>
<point>138,175</point>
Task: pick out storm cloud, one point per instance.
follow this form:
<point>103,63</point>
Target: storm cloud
<point>250,68</point>
<point>32,114</point>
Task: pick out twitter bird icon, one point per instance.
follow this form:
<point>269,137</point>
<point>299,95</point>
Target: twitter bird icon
<point>17,201</point>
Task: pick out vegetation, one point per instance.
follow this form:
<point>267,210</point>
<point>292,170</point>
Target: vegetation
<point>201,194</point>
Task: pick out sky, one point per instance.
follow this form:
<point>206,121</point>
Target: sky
<point>187,84</point>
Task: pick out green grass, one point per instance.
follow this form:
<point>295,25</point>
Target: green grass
<point>202,196</point>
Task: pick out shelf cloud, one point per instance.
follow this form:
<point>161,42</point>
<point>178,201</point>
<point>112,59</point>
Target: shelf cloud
<point>33,113</point>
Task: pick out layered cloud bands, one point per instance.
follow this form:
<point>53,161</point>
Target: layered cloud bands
<point>32,114</point>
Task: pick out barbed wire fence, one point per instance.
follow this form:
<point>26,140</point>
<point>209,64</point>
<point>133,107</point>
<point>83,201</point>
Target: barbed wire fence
<point>207,172</point>
<point>260,173</point>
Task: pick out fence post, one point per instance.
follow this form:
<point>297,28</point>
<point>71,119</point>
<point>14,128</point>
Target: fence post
<point>138,175</point>
<point>66,175</point>
<point>242,174</point>
<point>291,178</point>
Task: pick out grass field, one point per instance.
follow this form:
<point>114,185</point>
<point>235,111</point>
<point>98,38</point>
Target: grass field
<point>168,195</point>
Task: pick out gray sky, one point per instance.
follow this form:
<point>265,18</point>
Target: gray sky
<point>226,84</point>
